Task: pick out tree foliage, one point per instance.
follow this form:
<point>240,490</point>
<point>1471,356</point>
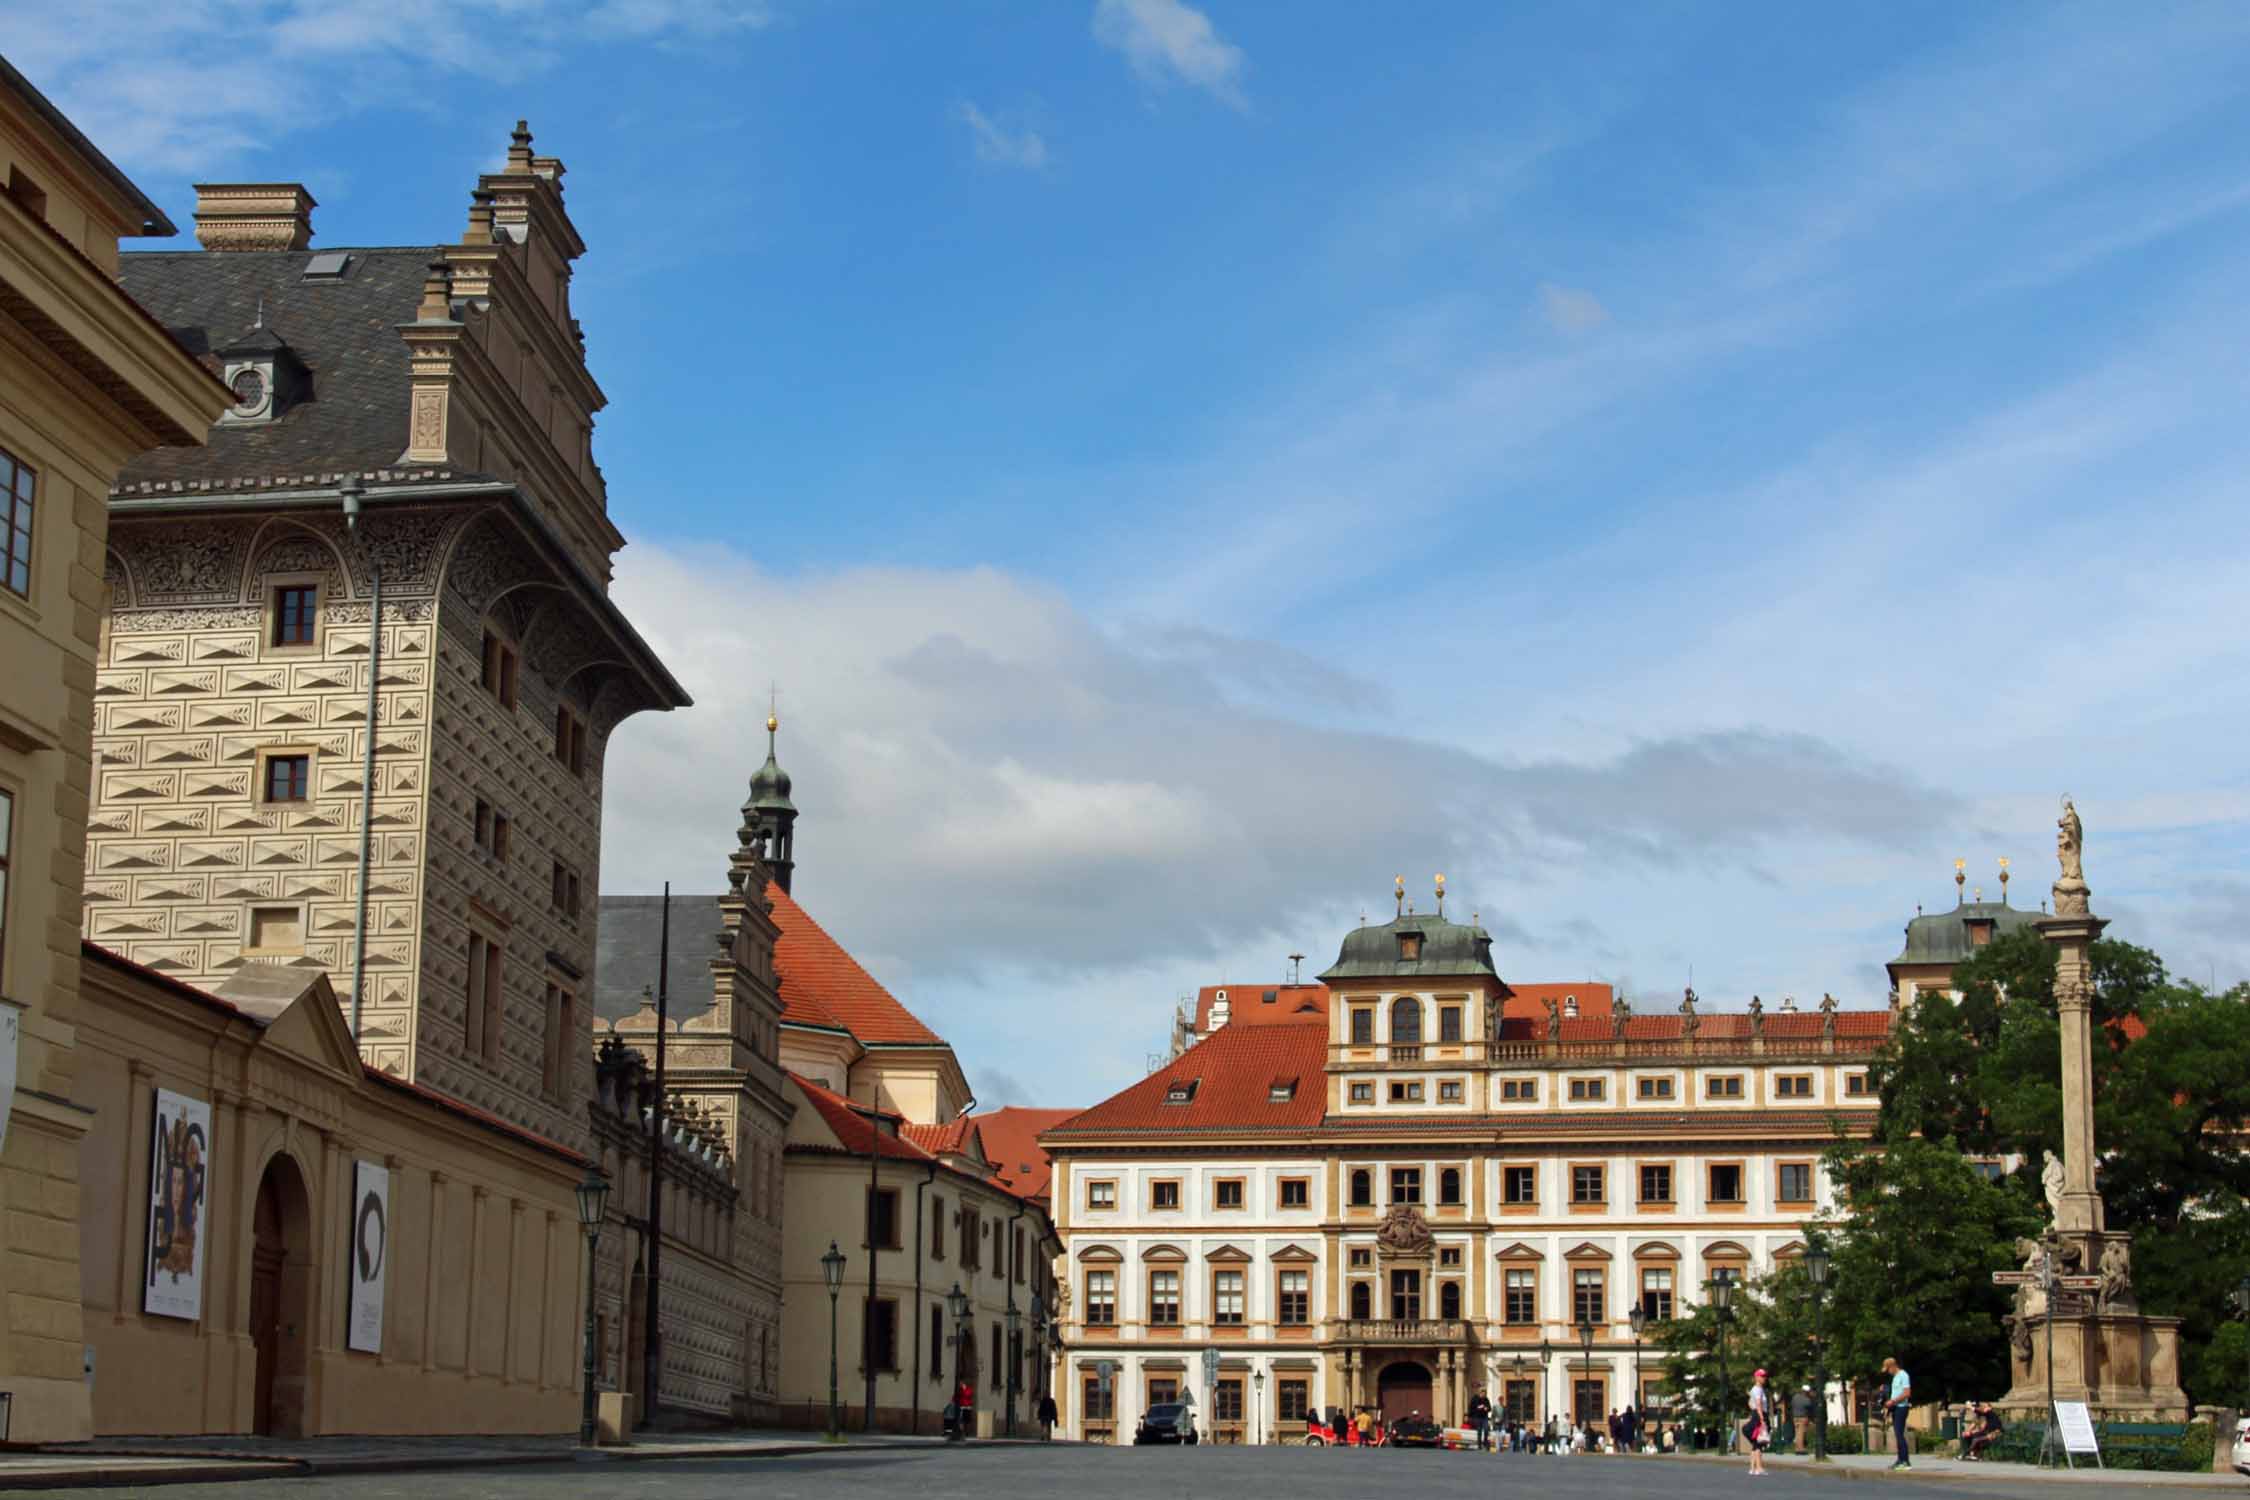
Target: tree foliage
<point>1770,1326</point>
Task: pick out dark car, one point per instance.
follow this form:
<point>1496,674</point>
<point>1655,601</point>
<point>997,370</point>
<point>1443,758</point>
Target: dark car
<point>1416,1431</point>
<point>1166,1422</point>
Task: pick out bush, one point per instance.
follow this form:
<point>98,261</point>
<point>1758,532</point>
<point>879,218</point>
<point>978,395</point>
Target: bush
<point>2189,1453</point>
<point>1843,1438</point>
<point>1926,1441</point>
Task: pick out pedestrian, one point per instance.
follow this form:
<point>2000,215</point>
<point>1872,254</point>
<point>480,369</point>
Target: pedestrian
<point>1630,1422</point>
<point>1759,1430</point>
<point>1364,1425</point>
<point>1480,1417</point>
<point>1899,1402</point>
<point>1047,1417</point>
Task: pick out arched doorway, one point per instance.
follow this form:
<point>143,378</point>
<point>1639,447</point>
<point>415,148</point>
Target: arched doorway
<point>1403,1388</point>
<point>281,1299</point>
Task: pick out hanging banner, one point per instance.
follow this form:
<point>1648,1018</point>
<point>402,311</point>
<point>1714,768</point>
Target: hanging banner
<point>11,1036</point>
<point>179,1175</point>
<point>371,1247</point>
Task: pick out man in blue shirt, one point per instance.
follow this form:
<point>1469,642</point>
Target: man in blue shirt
<point>1901,1398</point>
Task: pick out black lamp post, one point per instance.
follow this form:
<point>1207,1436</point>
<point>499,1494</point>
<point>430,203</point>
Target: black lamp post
<point>832,1270</point>
<point>1546,1363</point>
<point>1257,1403</point>
<point>1513,1414</point>
<point>593,1201</point>
<point>1721,1288</point>
<point>1816,1271</point>
<point>1015,1362</point>
<point>1640,1326</point>
<point>957,1303</point>
<point>1586,1343</point>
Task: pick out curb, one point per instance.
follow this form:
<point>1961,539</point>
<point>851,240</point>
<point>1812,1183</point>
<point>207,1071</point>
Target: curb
<point>1998,1474</point>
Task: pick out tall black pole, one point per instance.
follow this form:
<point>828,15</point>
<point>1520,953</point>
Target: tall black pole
<point>652,1359</point>
<point>867,1313</point>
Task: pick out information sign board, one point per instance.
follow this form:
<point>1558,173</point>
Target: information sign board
<point>2076,1425</point>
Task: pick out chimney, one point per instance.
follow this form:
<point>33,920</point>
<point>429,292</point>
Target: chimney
<point>253,216</point>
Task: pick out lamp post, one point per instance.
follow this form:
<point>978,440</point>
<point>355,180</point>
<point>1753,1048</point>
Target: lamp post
<point>1513,1414</point>
<point>1257,1403</point>
<point>593,1201</point>
<point>957,1303</point>
<point>2242,1301</point>
<point>832,1271</point>
<point>1546,1363</point>
<point>1816,1271</point>
<point>1721,1288</point>
<point>1586,1343</point>
<point>1640,1326</point>
<point>1015,1362</point>
<point>1035,1354</point>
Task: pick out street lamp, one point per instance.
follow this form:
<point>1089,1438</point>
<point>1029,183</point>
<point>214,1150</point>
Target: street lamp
<point>957,1303</point>
<point>593,1201</point>
<point>1015,1360</point>
<point>1513,1414</point>
<point>1721,1288</point>
<point>1257,1402</point>
<point>1640,1326</point>
<point>1585,1342</point>
<point>1816,1271</point>
<point>1546,1363</point>
<point>832,1270</point>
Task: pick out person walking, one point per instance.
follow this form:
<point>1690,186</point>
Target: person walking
<point>1047,1416</point>
<point>1480,1417</point>
<point>1800,1417</point>
<point>1364,1425</point>
<point>1759,1429</point>
<point>1899,1402</point>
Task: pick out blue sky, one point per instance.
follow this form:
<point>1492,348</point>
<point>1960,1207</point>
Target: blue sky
<point>1688,472</point>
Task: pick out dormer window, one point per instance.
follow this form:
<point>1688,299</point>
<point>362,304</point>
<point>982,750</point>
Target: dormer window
<point>1281,1091</point>
<point>1180,1091</point>
<point>251,391</point>
<point>1409,947</point>
<point>262,372</point>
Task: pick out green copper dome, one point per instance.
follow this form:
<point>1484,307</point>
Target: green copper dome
<point>769,784</point>
<point>1414,945</point>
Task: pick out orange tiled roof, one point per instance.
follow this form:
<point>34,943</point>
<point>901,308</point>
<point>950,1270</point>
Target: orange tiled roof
<point>949,1138</point>
<point>1851,1025</point>
<point>1233,1073</point>
<point>1247,1004</point>
<point>1011,1143</point>
<point>822,985</point>
<point>1593,998</point>
<point>853,1129</point>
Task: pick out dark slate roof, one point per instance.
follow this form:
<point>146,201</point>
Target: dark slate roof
<point>344,331</point>
<point>625,951</point>
<point>1449,950</point>
<point>1943,937</point>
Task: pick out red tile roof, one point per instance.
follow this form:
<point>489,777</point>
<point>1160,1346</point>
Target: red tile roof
<point>1531,999</point>
<point>1011,1142</point>
<point>851,1128</point>
<point>822,985</point>
<point>1851,1025</point>
<point>1233,1072</point>
<point>950,1138</point>
<point>1247,1004</point>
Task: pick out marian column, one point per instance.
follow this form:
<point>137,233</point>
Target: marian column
<point>2072,929</point>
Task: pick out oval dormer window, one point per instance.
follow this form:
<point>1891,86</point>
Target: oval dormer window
<point>249,387</point>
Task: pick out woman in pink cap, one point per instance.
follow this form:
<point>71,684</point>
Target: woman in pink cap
<point>1758,1430</point>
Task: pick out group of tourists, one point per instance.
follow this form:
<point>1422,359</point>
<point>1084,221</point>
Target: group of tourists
<point>1625,1431</point>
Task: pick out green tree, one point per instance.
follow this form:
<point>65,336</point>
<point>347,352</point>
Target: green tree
<point>1769,1327</point>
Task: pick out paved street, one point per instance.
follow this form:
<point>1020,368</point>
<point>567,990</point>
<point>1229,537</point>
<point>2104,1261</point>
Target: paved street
<point>1123,1474</point>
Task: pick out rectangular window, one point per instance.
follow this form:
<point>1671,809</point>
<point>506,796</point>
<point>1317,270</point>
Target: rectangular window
<point>481,825</point>
<point>1162,1390</point>
<point>1726,1183</point>
<point>1227,1192</point>
<point>499,670</point>
<point>1296,1192</point>
<point>1406,1295</point>
<point>1021,1267</point>
<point>1656,1182</point>
<point>882,1218</point>
<point>7,854</point>
<point>1725,1086</point>
<point>1101,1194</point>
<point>1292,1401</point>
<point>570,740</point>
<point>1406,1184</point>
<point>1655,1088</point>
<point>1449,1023</point>
<point>1164,1194</point>
<point>565,895</point>
<point>18,484</point>
<point>277,929</point>
<point>1449,1091</point>
<point>1795,1182</point>
<point>937,1227</point>
<point>1522,1400</point>
<point>1519,1090</point>
<point>881,1352</point>
<point>288,778</point>
<point>562,1024</point>
<point>1226,1400</point>
<point>1589,1296</point>
<point>1229,1298</point>
<point>1293,1298</point>
<point>1519,1185</point>
<point>293,614</point>
<point>1588,1090</point>
<point>1099,1404</point>
<point>1406,1093</point>
<point>1586,1184</point>
<point>1363,1093</point>
<point>937,1341</point>
<point>1164,1299</point>
<point>1519,1297</point>
<point>1793,1086</point>
<point>500,830</point>
<point>1363,1028</point>
<point>481,1033</point>
<point>1656,1292</point>
<point>972,1240</point>
<point>1362,1257</point>
<point>1855,1085</point>
<point>1101,1298</point>
<point>1449,1255</point>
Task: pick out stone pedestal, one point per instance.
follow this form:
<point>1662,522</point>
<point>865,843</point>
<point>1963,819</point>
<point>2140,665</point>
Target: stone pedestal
<point>2121,1364</point>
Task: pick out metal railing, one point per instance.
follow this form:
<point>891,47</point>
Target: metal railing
<point>1403,1330</point>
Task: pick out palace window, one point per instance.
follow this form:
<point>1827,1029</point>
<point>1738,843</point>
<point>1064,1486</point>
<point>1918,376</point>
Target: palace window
<point>1101,1193</point>
<point>1656,1182</point>
<point>565,896</point>
<point>937,1344</point>
<point>277,929</point>
<point>1449,1187</point>
<point>1097,1402</point>
<point>1101,1298</point>
<point>18,485</point>
<point>499,670</point>
<point>1655,1088</point>
<point>1855,1085</point>
<point>1227,1192</point>
<point>1363,1027</point>
<point>288,778</point>
<point>1519,1090</point>
<point>1363,1188</point>
<point>1406,1184</point>
<point>1589,1295</point>
<point>1164,1193</point>
<point>1449,1091</point>
<point>1363,1093</point>
<point>1449,1255</point>
<point>1406,1021</point>
<point>562,1030</point>
<point>1449,1301</point>
<point>881,1352</point>
<point>1362,1257</point>
<point>1449,1023</point>
<point>882,1218</point>
<point>481,1030</point>
<point>1656,1292</point>
<point>1296,1192</point>
<point>1794,1182</point>
<point>1519,1297</point>
<point>1293,1298</point>
<point>1226,1401</point>
<point>1406,1295</point>
<point>1229,1299</point>
<point>1407,1091</point>
<point>1793,1086</point>
<point>1409,946</point>
<point>570,740</point>
<point>1519,1185</point>
<point>295,614</point>
<point>1724,1086</point>
<point>972,1239</point>
<point>1587,1184</point>
<point>937,1227</point>
<point>1164,1298</point>
<point>1588,1090</point>
<point>1292,1401</point>
<point>1726,1182</point>
<point>1362,1301</point>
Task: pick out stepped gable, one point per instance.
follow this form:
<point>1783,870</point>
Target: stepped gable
<point>1233,1075</point>
<point>823,985</point>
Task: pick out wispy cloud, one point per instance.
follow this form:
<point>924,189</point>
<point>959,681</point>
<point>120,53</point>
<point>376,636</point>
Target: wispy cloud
<point>997,144</point>
<point>1570,310</point>
<point>1167,41</point>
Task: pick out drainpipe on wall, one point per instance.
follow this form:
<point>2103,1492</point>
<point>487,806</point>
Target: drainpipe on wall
<point>350,495</point>
<point>921,1248</point>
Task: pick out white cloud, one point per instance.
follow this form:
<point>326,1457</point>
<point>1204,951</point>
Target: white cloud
<point>1001,146</point>
<point>1569,310</point>
<point>1165,41</point>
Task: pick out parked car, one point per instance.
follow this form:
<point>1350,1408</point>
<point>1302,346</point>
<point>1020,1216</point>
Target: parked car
<point>2242,1445</point>
<point>1416,1432</point>
<point>1166,1422</point>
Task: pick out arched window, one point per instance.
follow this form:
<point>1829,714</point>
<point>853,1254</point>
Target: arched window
<point>1449,1300</point>
<point>1449,1186</point>
<point>1363,1189</point>
<point>1363,1301</point>
<point>1406,1020</point>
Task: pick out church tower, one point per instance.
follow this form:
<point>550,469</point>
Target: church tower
<point>769,818</point>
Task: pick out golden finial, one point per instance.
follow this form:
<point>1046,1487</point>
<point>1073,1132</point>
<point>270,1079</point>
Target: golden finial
<point>1960,877</point>
<point>1398,892</point>
<point>773,708</point>
<point>773,722</point>
<point>1441,893</point>
<point>2003,878</point>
